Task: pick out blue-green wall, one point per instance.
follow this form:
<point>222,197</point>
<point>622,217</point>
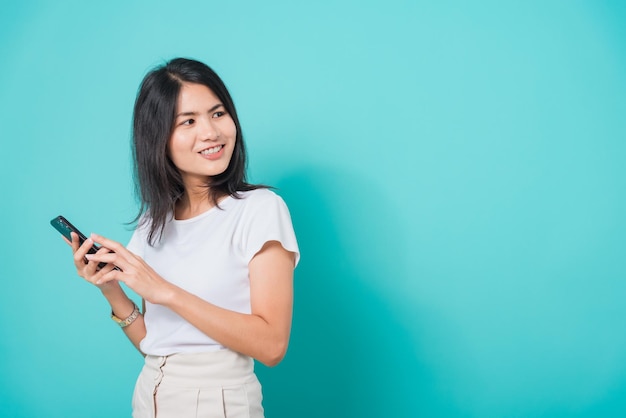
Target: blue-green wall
<point>456,173</point>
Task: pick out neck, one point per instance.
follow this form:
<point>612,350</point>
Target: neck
<point>193,203</point>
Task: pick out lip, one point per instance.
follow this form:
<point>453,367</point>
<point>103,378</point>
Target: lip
<point>215,155</point>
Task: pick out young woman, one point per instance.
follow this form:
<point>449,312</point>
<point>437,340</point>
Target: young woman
<point>212,256</point>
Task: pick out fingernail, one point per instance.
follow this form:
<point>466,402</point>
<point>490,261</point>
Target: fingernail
<point>89,256</point>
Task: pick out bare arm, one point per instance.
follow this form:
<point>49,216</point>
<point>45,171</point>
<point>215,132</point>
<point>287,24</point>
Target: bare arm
<point>263,334</point>
<point>122,307</point>
<point>120,303</point>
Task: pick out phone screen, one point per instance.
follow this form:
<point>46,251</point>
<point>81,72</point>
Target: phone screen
<point>65,228</point>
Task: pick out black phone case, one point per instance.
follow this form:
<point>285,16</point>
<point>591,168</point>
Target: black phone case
<point>65,227</point>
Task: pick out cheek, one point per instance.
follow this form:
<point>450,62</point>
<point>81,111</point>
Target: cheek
<point>231,128</point>
<point>174,155</point>
<point>175,146</point>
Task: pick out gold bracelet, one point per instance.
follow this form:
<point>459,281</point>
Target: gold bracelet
<point>123,323</point>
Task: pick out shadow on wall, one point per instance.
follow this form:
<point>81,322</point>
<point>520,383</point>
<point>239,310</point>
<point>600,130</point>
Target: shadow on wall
<point>350,353</point>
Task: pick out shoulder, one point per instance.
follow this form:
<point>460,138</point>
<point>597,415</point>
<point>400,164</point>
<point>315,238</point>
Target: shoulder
<point>260,204</point>
<point>259,197</point>
<point>264,217</point>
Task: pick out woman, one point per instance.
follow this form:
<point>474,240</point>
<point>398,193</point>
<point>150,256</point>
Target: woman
<point>212,256</point>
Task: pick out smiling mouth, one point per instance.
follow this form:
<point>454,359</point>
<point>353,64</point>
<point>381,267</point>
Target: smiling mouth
<point>212,150</point>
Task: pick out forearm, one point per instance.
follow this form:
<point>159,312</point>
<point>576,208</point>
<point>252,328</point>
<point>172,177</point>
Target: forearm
<point>122,307</point>
<point>248,334</point>
<point>263,334</point>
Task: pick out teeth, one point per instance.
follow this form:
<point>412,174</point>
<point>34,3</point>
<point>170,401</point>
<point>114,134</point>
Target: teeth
<point>211,150</point>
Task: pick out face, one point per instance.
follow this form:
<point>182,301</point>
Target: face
<point>203,139</point>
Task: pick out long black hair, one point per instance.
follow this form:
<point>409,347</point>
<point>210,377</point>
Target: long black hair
<point>158,183</point>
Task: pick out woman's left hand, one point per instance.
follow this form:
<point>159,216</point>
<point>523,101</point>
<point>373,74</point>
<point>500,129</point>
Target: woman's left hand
<point>134,271</point>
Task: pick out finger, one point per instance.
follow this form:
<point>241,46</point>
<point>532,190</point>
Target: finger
<point>75,242</point>
<point>84,247</point>
<point>101,272</point>
<point>92,273</point>
<point>108,243</point>
<point>91,268</point>
<point>105,257</point>
<point>109,276</point>
<point>102,250</point>
<point>95,265</point>
<point>81,251</point>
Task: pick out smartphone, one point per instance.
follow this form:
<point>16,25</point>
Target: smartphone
<point>65,228</point>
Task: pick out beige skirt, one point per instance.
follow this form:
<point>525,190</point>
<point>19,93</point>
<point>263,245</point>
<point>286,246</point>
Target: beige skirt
<point>212,384</point>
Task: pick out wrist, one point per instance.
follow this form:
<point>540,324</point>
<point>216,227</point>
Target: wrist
<point>126,320</point>
<point>121,305</point>
<point>166,295</point>
<point>124,309</point>
<point>111,289</point>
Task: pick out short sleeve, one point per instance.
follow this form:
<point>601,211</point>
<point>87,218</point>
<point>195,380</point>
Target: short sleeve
<point>138,240</point>
<point>268,219</point>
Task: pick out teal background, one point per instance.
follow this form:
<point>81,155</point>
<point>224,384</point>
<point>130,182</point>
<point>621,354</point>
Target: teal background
<point>455,172</point>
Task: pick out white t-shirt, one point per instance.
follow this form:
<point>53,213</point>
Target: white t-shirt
<point>208,256</point>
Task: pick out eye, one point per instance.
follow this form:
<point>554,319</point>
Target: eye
<point>219,114</point>
<point>189,122</point>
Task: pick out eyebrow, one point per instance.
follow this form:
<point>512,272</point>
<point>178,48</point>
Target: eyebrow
<point>217,106</point>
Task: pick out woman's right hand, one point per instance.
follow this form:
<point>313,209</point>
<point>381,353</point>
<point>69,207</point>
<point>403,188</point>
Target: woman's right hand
<point>111,290</point>
<point>89,270</point>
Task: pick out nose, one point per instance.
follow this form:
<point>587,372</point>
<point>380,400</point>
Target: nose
<point>207,129</point>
